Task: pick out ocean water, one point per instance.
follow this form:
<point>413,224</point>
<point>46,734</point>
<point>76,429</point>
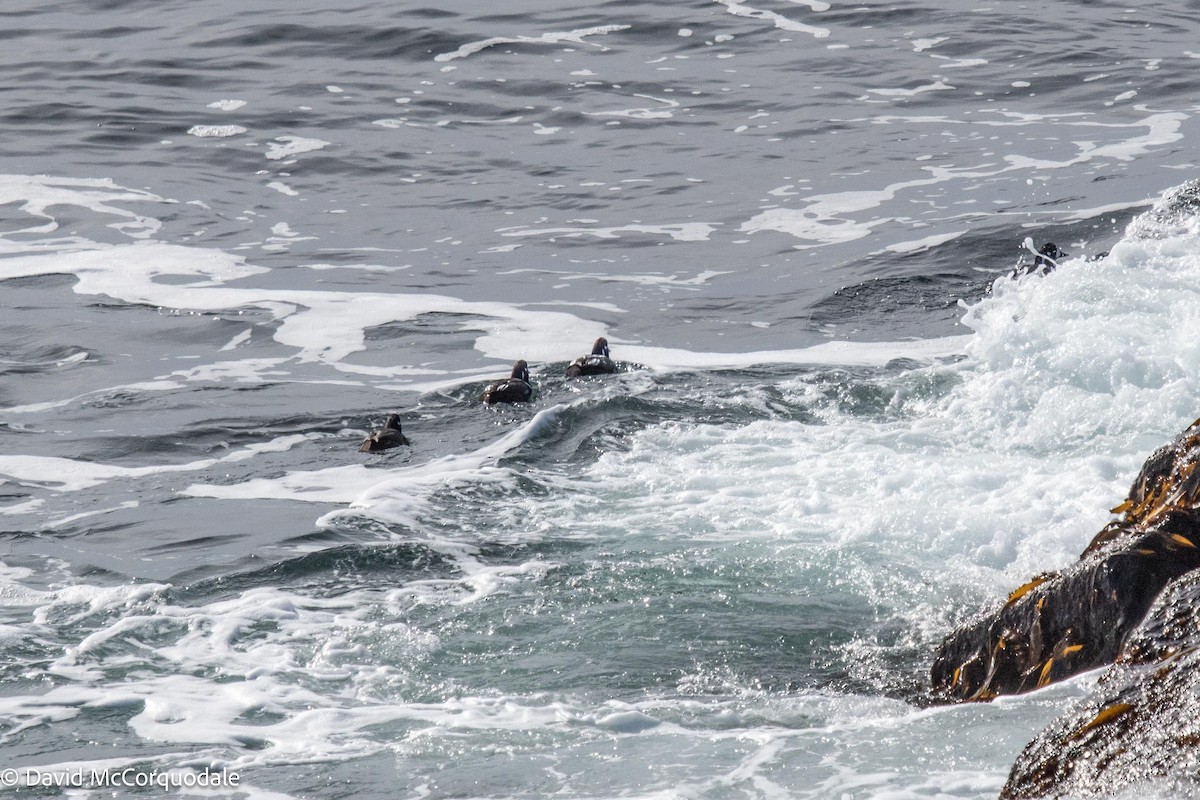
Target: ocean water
<point>234,237</point>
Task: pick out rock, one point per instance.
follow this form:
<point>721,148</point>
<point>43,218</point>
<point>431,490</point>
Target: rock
<point>1144,731</point>
<point>1060,624</point>
<point>1171,627</point>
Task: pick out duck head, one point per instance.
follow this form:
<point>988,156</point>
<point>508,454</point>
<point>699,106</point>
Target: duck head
<point>1049,254</point>
<point>393,422</point>
<point>521,370</point>
<point>600,348</point>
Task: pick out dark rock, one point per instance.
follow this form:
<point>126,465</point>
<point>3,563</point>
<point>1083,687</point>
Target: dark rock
<point>1171,626</point>
<point>1145,729</point>
<point>1060,624</point>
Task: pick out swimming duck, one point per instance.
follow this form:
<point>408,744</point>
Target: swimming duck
<point>597,363</point>
<point>515,389</point>
<point>386,437</point>
<point>1047,258</point>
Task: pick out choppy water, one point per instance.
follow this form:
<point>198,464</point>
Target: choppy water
<point>233,239</point>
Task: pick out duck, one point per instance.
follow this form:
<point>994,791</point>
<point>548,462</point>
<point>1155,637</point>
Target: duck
<point>514,389</point>
<point>597,362</point>
<point>384,438</point>
<point>1047,258</point>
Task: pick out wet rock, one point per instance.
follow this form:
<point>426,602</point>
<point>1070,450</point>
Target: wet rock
<point>1171,626</point>
<point>1143,731</point>
<point>1060,624</point>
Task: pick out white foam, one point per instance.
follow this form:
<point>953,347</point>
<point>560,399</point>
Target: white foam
<point>216,131</point>
<point>815,5</point>
<point>285,232</point>
<point>959,63</point>
<point>35,194</point>
<point>227,105</point>
<point>27,507</point>
<point>245,371</point>
<point>394,123</point>
<point>823,221</point>
<point>283,188</point>
<point>68,361</point>
<point>315,322</point>
<point>829,218</point>
<point>681,231</point>
<point>778,20</point>
<point>578,36</point>
<point>68,475</point>
<point>49,405</point>
<point>937,86</point>
<point>659,112</point>
<point>238,340</point>
<point>287,146</point>
<point>834,353</point>
<point>58,523</point>
<point>632,721</point>
<point>928,242</point>
<point>644,279</point>
<point>1082,353</point>
<point>332,485</point>
<point>1162,129</point>
<point>921,45</point>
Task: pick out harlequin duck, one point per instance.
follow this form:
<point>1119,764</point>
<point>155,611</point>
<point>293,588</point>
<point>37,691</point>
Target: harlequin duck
<point>597,363</point>
<point>1047,258</point>
<point>386,437</point>
<point>515,389</point>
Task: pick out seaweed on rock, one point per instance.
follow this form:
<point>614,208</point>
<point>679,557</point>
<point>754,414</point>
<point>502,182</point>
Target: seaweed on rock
<point>1061,624</point>
<point>1145,728</point>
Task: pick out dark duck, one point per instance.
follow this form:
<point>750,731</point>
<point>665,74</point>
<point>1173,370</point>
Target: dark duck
<point>597,362</point>
<point>1047,258</point>
<point>386,437</point>
<point>515,389</point>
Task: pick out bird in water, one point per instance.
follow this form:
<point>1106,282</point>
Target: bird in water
<point>597,363</point>
<point>1048,256</point>
<point>1046,259</point>
<point>514,389</point>
<point>386,437</point>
